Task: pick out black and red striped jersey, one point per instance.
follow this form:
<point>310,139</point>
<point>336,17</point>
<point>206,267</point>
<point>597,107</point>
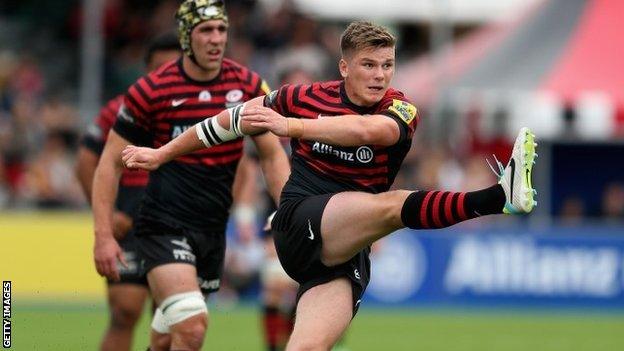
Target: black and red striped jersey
<point>194,190</point>
<point>97,133</point>
<point>319,168</point>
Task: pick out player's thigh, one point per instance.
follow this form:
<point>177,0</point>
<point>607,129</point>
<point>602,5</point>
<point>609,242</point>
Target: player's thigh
<point>170,279</point>
<point>323,314</point>
<point>353,220</point>
<point>358,211</point>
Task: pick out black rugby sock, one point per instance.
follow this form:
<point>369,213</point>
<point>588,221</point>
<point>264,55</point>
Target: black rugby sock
<point>439,209</point>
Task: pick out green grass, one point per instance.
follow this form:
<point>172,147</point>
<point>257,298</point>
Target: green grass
<point>79,327</point>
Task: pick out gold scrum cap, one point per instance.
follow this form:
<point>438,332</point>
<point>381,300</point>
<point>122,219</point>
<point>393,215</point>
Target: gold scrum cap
<point>193,12</point>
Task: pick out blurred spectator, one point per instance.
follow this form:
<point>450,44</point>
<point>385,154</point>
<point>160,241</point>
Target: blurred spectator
<point>572,210</point>
<point>493,142</point>
<point>613,202</point>
<point>49,179</point>
<point>4,187</point>
<point>302,50</point>
<point>569,116</point>
<point>7,69</point>
<point>58,116</point>
<point>477,174</point>
<point>19,142</point>
<point>27,79</point>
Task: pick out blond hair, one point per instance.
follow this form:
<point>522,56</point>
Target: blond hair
<point>364,34</point>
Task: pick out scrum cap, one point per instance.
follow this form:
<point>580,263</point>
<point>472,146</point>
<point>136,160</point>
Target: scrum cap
<point>193,12</point>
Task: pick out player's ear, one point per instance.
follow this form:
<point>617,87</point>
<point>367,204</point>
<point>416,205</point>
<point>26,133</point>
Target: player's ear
<point>342,66</point>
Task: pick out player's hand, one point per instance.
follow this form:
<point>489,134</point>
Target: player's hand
<point>122,223</point>
<point>135,157</point>
<point>264,117</point>
<point>106,252</point>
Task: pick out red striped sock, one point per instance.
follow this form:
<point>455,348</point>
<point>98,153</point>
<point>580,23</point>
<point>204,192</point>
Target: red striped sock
<point>440,209</point>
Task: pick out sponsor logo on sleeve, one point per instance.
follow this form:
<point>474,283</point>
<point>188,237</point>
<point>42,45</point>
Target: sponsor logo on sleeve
<point>404,110</point>
<point>271,98</point>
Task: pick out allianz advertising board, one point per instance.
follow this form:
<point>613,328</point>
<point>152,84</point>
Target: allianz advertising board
<point>558,266</point>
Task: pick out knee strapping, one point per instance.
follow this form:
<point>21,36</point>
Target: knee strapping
<point>211,133</point>
<point>159,323</point>
<point>179,307</point>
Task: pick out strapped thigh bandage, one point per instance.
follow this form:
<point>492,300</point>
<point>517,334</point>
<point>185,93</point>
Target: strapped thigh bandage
<point>177,308</point>
<point>211,133</point>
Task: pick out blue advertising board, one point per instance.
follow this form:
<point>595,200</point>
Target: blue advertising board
<point>555,266</point>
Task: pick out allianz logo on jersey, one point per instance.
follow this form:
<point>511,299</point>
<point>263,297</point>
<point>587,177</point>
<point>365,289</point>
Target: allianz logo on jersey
<point>362,154</point>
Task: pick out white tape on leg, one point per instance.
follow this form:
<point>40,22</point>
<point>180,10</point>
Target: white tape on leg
<point>159,323</point>
<point>179,307</point>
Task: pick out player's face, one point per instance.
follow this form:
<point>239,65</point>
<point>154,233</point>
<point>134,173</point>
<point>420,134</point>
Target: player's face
<point>208,41</point>
<point>159,58</point>
<point>367,74</point>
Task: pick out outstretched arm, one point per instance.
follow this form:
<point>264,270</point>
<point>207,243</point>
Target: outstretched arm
<point>345,130</point>
<point>204,134</point>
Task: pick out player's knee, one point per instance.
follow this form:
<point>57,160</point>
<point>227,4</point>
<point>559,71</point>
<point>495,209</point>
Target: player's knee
<point>160,342</point>
<point>179,308</point>
<point>124,316</point>
<point>392,203</point>
<point>190,333</point>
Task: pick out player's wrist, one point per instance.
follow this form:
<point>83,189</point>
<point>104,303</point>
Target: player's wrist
<point>104,234</point>
<point>163,155</point>
<point>294,128</point>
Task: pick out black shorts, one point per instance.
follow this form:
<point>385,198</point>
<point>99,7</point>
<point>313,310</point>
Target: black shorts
<point>133,273</point>
<point>296,230</point>
<point>161,244</point>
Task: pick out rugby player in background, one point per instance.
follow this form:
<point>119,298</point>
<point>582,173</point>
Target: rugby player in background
<point>127,296</point>
<point>278,289</point>
<point>348,141</point>
<point>181,222</point>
